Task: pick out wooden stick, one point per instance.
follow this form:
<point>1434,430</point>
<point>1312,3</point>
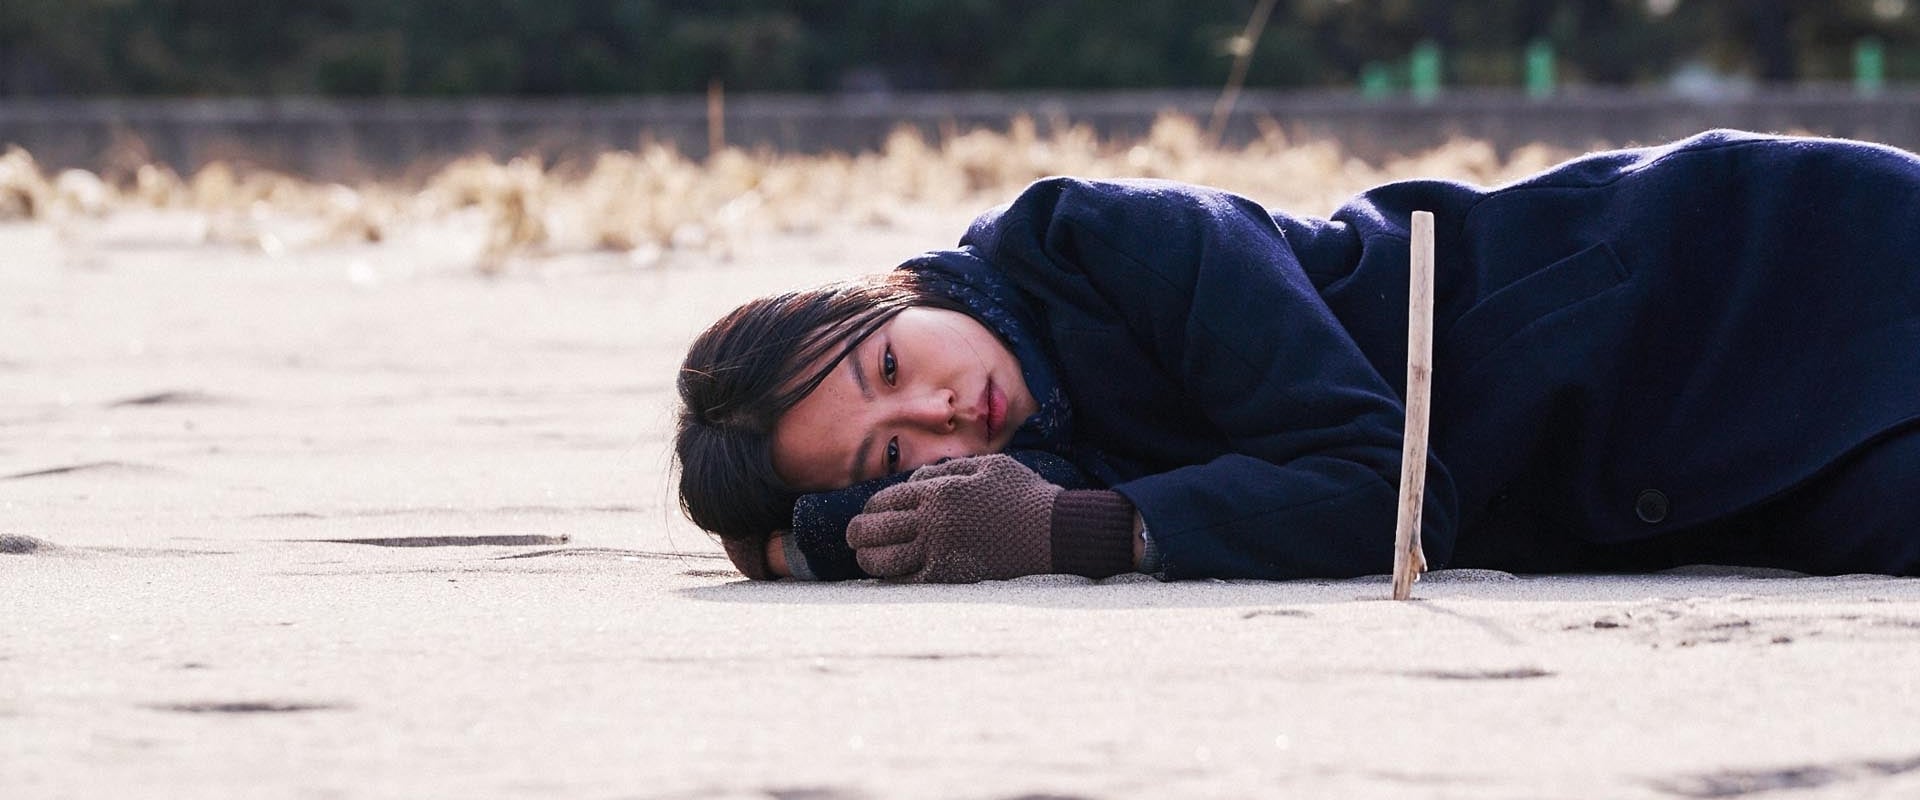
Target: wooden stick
<point>1409,560</point>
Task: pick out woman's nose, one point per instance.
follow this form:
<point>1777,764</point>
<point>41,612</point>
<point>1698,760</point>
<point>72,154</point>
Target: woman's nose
<point>932,411</point>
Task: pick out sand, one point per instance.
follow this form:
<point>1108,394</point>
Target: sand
<point>343,521</point>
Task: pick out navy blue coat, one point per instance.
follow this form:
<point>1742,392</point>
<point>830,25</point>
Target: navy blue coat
<point>1632,344</point>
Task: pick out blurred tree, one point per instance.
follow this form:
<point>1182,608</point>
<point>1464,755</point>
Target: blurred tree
<point>1773,49</point>
<point>48,46</point>
<point>366,47</point>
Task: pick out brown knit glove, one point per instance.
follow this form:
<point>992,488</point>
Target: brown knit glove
<point>990,518</point>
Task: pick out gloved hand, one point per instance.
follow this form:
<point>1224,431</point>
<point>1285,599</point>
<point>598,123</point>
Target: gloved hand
<point>990,518</point>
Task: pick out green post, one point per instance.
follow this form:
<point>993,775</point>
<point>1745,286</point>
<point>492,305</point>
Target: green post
<point>1424,71</point>
<point>1539,69</point>
<point>1869,66</point>
<point>1376,81</point>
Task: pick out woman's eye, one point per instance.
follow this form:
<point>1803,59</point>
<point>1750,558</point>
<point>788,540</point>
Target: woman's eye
<point>893,455</point>
<point>887,365</point>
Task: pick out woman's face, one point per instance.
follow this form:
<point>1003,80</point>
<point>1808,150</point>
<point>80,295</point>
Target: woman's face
<point>929,384</point>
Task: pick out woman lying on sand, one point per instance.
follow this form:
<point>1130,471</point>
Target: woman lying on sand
<point>1707,352</point>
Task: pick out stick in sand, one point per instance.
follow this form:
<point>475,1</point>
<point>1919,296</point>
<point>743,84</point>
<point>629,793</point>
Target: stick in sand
<point>1409,560</point>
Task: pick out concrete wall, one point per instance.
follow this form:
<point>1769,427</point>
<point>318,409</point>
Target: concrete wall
<point>345,139</point>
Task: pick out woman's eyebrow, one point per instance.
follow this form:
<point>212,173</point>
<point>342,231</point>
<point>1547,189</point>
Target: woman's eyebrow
<point>857,469</point>
<point>855,362</point>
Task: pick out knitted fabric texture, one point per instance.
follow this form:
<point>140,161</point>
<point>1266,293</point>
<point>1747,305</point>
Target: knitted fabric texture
<point>970,519</point>
<point>1092,533</point>
<point>820,520</point>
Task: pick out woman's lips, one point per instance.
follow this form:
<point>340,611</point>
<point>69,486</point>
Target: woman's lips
<point>996,411</point>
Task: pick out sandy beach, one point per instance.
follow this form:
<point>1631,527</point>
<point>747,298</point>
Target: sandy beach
<point>353,521</point>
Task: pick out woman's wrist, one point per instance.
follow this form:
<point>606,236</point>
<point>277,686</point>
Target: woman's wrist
<point>777,556</point>
<point>1092,533</point>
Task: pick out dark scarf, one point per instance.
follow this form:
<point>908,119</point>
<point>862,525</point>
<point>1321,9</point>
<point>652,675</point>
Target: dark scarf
<point>1042,442</point>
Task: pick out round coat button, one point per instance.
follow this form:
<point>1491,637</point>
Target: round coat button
<point>1651,506</point>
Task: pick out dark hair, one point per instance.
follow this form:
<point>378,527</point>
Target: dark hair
<point>746,370</point>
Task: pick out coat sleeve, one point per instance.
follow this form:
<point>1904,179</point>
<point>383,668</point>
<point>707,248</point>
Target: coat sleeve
<point>1201,288</point>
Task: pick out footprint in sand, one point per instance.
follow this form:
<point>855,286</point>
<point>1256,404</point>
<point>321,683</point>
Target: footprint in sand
<point>14,544</point>
<point>247,707</point>
<point>619,554</point>
<point>1514,674</point>
<point>1740,783</point>
<point>1695,622</point>
<point>814,793</point>
<point>1277,612</point>
<point>506,540</point>
<point>110,468</point>
<point>172,398</point>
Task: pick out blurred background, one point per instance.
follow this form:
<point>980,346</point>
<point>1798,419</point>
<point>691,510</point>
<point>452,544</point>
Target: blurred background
<point>360,48</point>
<point>351,88</point>
<point>645,128</point>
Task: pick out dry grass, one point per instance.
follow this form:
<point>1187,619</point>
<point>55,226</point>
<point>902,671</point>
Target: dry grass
<point>653,201</point>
